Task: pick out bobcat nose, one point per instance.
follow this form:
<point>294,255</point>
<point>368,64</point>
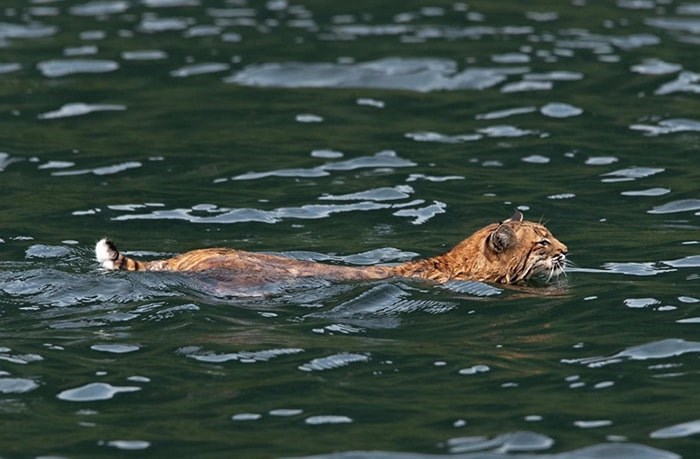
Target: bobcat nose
<point>564,250</point>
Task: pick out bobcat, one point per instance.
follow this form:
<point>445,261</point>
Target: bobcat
<point>508,252</point>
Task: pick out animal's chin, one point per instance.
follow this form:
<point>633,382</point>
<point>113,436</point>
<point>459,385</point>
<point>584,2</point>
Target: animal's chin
<point>547,271</point>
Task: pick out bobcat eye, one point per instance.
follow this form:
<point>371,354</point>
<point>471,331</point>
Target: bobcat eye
<point>544,242</point>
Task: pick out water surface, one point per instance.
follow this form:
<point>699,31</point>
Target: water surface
<point>355,134</point>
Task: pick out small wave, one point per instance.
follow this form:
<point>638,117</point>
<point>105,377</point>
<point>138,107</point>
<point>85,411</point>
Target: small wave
<point>334,361</point>
<point>199,69</point>
<point>685,429</point>
<point>560,110</point>
<point>242,356</point>
<point>34,30</point>
<point>491,449</point>
<point>669,126</point>
<point>63,67</point>
<point>681,205</point>
<point>94,392</point>
<point>685,82</point>
<point>17,385</point>
<point>655,66</point>
<point>99,8</point>
<point>79,109</point>
<point>104,170</point>
<point>382,159</point>
<point>631,173</point>
<point>422,75</point>
<point>663,349</point>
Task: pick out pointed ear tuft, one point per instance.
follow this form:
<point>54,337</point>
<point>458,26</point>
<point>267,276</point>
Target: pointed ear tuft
<point>517,217</point>
<point>502,238</point>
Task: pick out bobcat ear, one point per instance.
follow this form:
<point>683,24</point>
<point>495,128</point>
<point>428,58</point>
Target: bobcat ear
<point>502,238</point>
<point>517,217</point>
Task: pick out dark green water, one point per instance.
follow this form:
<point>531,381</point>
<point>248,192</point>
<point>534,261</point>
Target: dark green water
<point>354,133</point>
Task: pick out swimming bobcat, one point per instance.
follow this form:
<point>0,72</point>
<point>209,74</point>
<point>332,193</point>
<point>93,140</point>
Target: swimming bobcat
<point>508,252</point>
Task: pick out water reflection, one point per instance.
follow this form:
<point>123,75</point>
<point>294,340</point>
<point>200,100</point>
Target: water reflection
<point>421,75</point>
<point>532,442</point>
<point>664,349</point>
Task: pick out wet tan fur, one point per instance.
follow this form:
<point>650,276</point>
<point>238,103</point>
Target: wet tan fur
<point>506,252</point>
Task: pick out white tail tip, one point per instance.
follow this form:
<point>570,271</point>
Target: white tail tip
<point>105,253</point>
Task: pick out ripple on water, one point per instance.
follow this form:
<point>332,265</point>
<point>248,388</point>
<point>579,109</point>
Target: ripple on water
<point>681,205</point>
<point>170,3</point>
<point>285,412</point>
<point>382,159</point>
<point>94,392</point>
<point>675,24</point>
<point>380,307</point>
<point>560,196</point>
<point>649,192</point>
<point>535,159</point>
<point>9,67</point>
<point>506,131</point>
<point>516,442</point>
<point>115,348</point>
<point>421,215</point>
<point>668,126</point>
<point>104,170</point>
<point>685,82</point>
<point>560,110</point>
<point>641,302</point>
<point>601,160</point>
<point>86,50</point>
<point>691,261</point>
<point>214,214</point>
<point>527,85</point>
<point>631,173</point>
<point>6,160</point>
<point>685,429</point>
<point>246,417</point>
<point>334,361</point>
<point>308,118</point>
<point>79,109</point>
<point>34,30</point>
<point>144,55</point>
<point>664,349</point>
<point>475,369</point>
<point>327,154</point>
<point>158,25</point>
<point>427,136</point>
<point>129,445</point>
<point>634,268</point>
<point>243,356</point>
<point>327,419</point>
<point>472,288</point>
<point>369,102</point>
<point>62,67</point>
<point>506,113</point>
<point>557,75</point>
<point>17,385</point>
<point>377,194</point>
<point>199,69</point>
<point>593,424</point>
<point>46,251</point>
<point>202,31</point>
<point>99,8</point>
<point>612,450</point>
<point>421,75</point>
<point>511,58</point>
<point>52,290</point>
<point>656,66</point>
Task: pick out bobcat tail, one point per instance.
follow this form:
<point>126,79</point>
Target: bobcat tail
<point>109,257</point>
